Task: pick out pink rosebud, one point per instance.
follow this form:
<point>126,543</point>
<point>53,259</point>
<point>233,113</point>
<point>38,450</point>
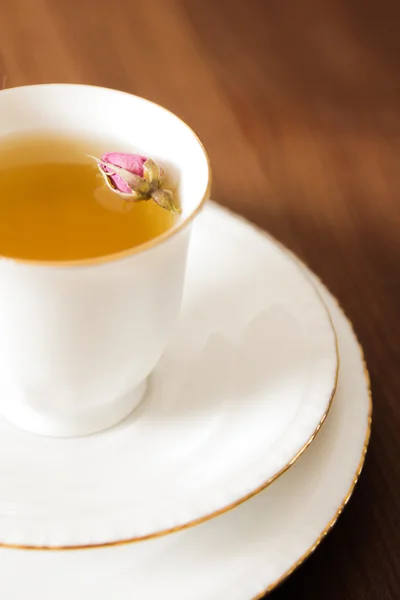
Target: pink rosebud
<point>136,178</point>
<point>133,163</point>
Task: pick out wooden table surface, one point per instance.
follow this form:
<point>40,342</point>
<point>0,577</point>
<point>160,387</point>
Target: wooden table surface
<point>299,106</point>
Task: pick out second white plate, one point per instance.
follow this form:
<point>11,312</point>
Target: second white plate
<point>239,555</point>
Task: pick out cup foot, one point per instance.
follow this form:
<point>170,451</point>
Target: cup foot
<point>94,421</point>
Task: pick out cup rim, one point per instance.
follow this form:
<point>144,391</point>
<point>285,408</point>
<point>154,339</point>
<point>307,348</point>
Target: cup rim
<point>116,256</point>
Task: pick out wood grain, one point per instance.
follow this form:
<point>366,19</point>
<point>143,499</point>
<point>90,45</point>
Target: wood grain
<point>299,106</point>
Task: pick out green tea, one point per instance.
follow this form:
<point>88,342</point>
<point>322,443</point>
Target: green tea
<point>55,205</point>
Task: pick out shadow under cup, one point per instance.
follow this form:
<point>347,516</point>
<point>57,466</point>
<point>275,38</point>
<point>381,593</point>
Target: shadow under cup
<point>79,339</point>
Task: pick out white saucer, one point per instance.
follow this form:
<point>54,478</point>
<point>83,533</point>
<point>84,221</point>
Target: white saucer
<point>239,555</point>
<point>240,393</point>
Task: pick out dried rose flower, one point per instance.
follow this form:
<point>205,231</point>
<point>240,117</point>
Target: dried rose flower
<point>135,178</point>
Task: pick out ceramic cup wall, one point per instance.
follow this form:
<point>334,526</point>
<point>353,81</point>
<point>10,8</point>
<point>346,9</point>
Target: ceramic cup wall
<point>78,340</point>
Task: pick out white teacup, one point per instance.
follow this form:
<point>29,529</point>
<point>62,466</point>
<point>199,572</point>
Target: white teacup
<point>78,340</point>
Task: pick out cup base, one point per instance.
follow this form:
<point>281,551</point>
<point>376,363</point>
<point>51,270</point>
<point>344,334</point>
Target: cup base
<point>94,421</point>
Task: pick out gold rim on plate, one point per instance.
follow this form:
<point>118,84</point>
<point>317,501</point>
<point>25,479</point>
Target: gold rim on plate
<point>345,500</point>
<point>251,494</point>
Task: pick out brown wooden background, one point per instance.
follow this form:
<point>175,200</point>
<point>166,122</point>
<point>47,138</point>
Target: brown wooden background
<point>298,104</point>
